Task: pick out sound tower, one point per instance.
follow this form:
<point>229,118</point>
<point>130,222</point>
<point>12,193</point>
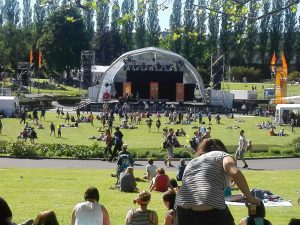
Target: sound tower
<point>87,61</point>
<point>23,73</point>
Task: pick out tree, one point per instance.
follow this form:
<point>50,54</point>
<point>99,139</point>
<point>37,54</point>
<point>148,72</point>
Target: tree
<point>213,26</point>
<point>52,6</point>
<point>251,40</point>
<point>153,28</point>
<point>27,14</point>
<point>140,26</point>
<point>276,28</point>
<point>88,16</point>
<point>11,12</point>
<point>189,28</point>
<point>102,15</point>
<point>64,37</point>
<point>1,13</point>
<point>225,33</point>
<point>127,25</point>
<point>115,30</point>
<point>175,27</point>
<point>264,33</point>
<point>39,18</point>
<point>290,32</point>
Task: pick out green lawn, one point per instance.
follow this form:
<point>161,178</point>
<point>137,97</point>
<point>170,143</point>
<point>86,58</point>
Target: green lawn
<point>29,191</point>
<point>141,138</point>
<point>227,86</point>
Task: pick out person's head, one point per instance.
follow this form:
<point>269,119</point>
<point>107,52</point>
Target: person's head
<point>182,162</point>
<point>5,212</point>
<point>143,198</point>
<point>160,171</point>
<point>124,147</point>
<point>129,169</point>
<point>46,218</point>
<point>173,183</point>
<point>117,128</point>
<point>169,199</point>
<point>171,131</point>
<point>92,194</point>
<point>208,145</point>
<point>150,161</point>
<point>260,211</point>
<point>107,132</point>
<point>242,132</point>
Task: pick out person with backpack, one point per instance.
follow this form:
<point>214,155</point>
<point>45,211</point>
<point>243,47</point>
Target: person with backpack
<point>169,145</point>
<point>125,160</point>
<point>109,140</point>
<point>118,141</point>
<point>239,154</point>
<point>256,215</point>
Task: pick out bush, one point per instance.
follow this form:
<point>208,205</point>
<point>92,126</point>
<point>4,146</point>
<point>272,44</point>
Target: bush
<point>238,73</point>
<point>294,76</point>
<point>69,101</point>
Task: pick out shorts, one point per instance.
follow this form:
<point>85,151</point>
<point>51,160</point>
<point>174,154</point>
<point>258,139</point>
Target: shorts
<point>170,152</point>
<point>209,217</point>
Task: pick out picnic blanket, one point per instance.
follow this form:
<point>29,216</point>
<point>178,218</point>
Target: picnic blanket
<point>266,203</point>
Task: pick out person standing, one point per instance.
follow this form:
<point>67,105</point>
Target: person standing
<point>52,129</point>
<point>90,211</point>
<point>118,139</point>
<point>292,125</point>
<point>109,142</point>
<point>158,124</point>
<point>23,116</point>
<point>209,118</point>
<point>170,147</point>
<point>43,113</point>
<point>239,154</point>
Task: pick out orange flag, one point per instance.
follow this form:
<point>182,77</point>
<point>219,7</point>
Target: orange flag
<point>40,59</point>
<point>284,64</point>
<point>273,61</point>
<point>30,57</point>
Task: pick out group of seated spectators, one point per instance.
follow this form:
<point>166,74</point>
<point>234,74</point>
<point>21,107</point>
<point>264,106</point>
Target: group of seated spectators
<point>267,125</point>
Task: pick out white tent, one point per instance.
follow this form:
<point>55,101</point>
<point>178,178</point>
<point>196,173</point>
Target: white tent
<point>9,105</point>
<point>284,113</point>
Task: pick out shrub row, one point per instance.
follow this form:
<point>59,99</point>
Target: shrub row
<point>239,72</point>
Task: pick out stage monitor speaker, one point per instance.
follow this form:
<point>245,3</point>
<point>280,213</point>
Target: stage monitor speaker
<point>179,92</point>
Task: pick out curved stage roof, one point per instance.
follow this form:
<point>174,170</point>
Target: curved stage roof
<point>116,73</point>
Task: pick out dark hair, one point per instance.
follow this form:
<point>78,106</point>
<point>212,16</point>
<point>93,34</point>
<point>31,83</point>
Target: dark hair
<point>173,183</point>
<point>150,161</point>
<point>5,211</point>
<point>220,145</point>
<point>260,212</point>
<point>92,193</point>
<point>46,218</point>
<point>169,196</point>
<point>209,145</point>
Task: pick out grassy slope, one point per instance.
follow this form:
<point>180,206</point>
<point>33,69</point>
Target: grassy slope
<point>29,191</point>
<point>142,139</point>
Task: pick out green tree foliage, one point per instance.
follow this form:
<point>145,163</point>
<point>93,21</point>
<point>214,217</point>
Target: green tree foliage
<point>115,30</point>
<point>88,16</point>
<point>153,28</point>
<point>39,17</point>
<point>251,40</point>
<point>140,26</point>
<point>27,14</point>
<point>189,28</point>
<point>127,22</point>
<point>175,27</point>
<point>11,12</point>
<point>52,6</point>
<point>64,37</point>
<point>102,15</point>
<point>103,47</point>
<point>1,13</point>
<point>289,36</point>
<point>213,27</point>
<point>276,28</point>
<point>225,33</point>
<point>264,33</point>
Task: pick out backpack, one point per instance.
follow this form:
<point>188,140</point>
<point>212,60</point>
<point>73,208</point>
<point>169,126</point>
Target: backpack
<point>125,161</point>
<point>165,144</point>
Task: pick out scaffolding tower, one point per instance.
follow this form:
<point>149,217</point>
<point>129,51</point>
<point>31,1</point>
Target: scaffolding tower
<point>87,62</point>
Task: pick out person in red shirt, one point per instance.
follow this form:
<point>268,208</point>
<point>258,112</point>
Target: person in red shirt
<point>160,182</point>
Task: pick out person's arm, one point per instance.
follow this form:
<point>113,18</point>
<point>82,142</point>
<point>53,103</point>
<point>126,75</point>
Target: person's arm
<point>168,219</point>
<point>128,217</point>
<point>73,218</point>
<point>235,173</point>
<point>243,222</point>
<point>106,220</point>
<point>153,183</point>
<point>154,218</point>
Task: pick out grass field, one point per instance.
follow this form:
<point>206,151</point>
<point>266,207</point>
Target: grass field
<point>141,138</point>
<point>29,191</point>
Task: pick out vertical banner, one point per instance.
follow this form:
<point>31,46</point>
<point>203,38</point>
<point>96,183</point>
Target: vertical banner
<point>30,57</point>
<point>179,92</point>
<point>40,59</point>
<point>280,86</point>
<point>126,88</point>
<point>154,90</point>
<point>284,76</point>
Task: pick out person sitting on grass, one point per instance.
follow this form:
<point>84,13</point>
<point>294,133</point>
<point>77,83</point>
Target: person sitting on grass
<point>256,216</point>
<point>90,211</point>
<point>150,170</point>
<point>169,201</point>
<point>46,218</point>
<point>174,185</point>
<point>160,182</point>
<point>142,215</point>
<point>127,181</point>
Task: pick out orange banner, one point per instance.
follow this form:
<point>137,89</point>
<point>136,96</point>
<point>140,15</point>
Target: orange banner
<point>280,86</point>
<point>273,62</point>
<point>154,90</point>
<point>31,57</point>
<point>179,92</point>
<point>126,88</point>
<point>40,59</point>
